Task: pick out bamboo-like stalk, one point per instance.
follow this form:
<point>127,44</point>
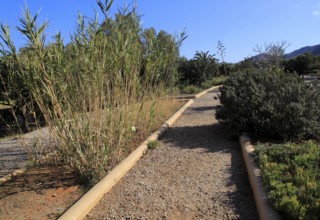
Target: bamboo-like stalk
<point>94,90</point>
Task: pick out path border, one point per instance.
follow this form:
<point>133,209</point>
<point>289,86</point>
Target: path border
<point>86,203</point>
<point>9,176</point>
<point>265,211</point>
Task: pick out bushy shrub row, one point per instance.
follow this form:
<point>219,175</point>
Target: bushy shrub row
<point>291,176</point>
<point>270,104</point>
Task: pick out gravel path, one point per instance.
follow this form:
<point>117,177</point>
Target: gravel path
<point>13,154</point>
<point>196,172</point>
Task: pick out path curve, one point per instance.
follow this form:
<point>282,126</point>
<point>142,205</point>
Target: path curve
<point>196,172</point>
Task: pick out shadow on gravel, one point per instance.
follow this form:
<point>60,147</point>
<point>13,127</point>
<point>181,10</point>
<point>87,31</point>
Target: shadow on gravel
<point>211,137</point>
<point>214,138</point>
<point>39,179</point>
<point>204,108</point>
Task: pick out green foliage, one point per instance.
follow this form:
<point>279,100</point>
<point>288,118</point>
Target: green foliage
<point>191,89</point>
<point>203,66</point>
<point>270,104</point>
<point>291,175</point>
<point>219,80</point>
<point>153,145</point>
<point>301,64</point>
<point>92,91</point>
<point>215,81</point>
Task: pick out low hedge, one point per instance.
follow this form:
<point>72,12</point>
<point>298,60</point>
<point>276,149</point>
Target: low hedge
<point>269,104</point>
<point>291,175</point>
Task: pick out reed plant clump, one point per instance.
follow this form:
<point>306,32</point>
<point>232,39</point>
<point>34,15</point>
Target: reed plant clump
<point>96,92</point>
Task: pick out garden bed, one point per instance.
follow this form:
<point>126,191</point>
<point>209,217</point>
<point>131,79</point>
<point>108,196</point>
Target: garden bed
<point>291,176</point>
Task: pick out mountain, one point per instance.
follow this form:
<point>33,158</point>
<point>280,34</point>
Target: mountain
<point>315,50</point>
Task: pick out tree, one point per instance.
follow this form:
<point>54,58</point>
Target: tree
<point>270,55</point>
<point>201,67</point>
<point>301,64</point>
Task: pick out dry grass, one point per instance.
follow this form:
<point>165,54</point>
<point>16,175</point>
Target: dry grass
<point>98,94</point>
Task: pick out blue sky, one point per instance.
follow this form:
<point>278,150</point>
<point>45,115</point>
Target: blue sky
<point>238,24</point>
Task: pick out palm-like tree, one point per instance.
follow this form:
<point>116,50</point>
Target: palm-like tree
<point>205,64</point>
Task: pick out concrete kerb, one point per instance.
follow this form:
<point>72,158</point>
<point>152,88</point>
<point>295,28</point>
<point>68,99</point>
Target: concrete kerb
<point>85,204</point>
<point>206,91</point>
<point>265,211</point>
<point>197,95</point>
<point>9,176</point>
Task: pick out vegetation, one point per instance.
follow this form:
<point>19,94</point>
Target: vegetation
<point>202,71</point>
<point>153,145</point>
<point>302,64</point>
<point>268,103</point>
<point>197,70</point>
<point>267,98</point>
<point>269,56</point>
<point>291,176</point>
<point>92,91</point>
<point>191,89</point>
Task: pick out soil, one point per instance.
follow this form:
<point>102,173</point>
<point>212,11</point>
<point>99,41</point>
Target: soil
<point>196,172</point>
<point>40,193</point>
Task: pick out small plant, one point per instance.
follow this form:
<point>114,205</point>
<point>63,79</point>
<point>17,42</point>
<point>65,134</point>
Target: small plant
<point>291,175</point>
<point>153,144</point>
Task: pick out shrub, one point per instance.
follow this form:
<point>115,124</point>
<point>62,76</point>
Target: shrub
<point>215,81</point>
<point>274,105</point>
<point>190,89</point>
<point>291,176</point>
<point>206,84</point>
<point>219,80</point>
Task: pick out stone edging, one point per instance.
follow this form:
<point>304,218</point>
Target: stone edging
<point>265,211</point>
<point>10,175</point>
<point>84,205</point>
<point>206,91</point>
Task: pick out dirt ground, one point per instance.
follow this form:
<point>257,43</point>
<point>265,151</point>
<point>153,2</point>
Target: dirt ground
<point>40,193</point>
<point>196,172</point>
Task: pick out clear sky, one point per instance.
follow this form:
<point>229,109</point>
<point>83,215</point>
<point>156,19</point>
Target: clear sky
<point>238,24</point>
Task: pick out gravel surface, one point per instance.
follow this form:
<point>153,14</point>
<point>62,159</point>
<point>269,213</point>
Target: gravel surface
<point>13,151</point>
<point>196,172</point>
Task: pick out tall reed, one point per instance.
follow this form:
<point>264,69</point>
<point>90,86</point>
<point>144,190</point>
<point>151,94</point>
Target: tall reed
<point>93,91</point>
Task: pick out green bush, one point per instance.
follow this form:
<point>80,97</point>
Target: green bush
<point>215,81</point>
<point>206,84</point>
<point>291,175</point>
<point>219,80</point>
<point>270,104</point>
<point>190,89</point>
